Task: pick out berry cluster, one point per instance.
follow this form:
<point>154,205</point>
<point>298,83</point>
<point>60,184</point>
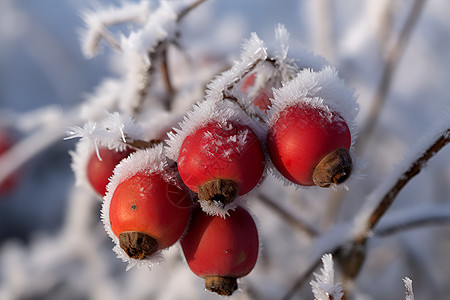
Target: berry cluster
<point>265,115</point>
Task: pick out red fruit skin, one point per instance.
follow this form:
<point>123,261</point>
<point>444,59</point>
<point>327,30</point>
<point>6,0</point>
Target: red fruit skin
<point>301,137</point>
<point>6,142</point>
<point>202,157</point>
<point>148,204</point>
<point>99,172</point>
<point>214,246</point>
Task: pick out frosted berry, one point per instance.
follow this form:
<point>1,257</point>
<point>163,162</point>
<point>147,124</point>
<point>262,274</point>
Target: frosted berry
<point>309,145</point>
<point>99,171</point>
<point>221,250</point>
<point>6,142</point>
<point>147,213</point>
<point>221,161</point>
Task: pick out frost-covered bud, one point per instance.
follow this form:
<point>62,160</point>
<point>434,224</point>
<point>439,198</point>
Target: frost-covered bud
<point>219,154</point>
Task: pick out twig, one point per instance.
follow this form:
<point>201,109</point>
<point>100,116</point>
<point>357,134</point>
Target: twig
<point>166,74</point>
<point>324,26</point>
<point>185,11</point>
<point>412,171</point>
<point>288,217</point>
<point>431,221</point>
<point>141,144</point>
<point>392,60</point>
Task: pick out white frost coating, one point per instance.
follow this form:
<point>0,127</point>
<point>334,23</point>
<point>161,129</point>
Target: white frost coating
<point>222,112</point>
<point>409,289</point>
<point>323,286</point>
<point>216,208</point>
<point>285,65</point>
<point>415,152</point>
<point>98,21</point>
<point>160,25</point>
<point>253,53</point>
<point>110,133</point>
<point>150,161</point>
<point>323,89</point>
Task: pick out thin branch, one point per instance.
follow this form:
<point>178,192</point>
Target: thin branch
<point>288,217</point>
<point>188,9</point>
<point>166,74</point>
<point>141,144</point>
<point>419,223</point>
<point>392,61</point>
<point>412,171</point>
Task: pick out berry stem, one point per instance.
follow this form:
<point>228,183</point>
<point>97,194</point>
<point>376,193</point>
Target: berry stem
<point>223,286</point>
<point>334,168</point>
<point>141,144</point>
<point>137,245</point>
<point>222,190</point>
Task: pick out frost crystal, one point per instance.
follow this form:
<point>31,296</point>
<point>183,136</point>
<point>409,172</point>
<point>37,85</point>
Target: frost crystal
<point>150,161</point>
<point>323,286</point>
<point>409,289</point>
<point>114,132</point>
<point>253,53</point>
<point>98,21</point>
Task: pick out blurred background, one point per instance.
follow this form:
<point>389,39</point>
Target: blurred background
<point>44,77</point>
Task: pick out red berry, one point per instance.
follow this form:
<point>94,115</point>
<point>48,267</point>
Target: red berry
<point>6,142</point>
<point>309,145</point>
<point>148,213</point>
<point>99,171</point>
<point>221,250</point>
<point>221,161</point>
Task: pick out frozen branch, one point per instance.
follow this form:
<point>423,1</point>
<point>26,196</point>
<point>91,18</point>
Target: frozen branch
<point>391,63</point>
<point>409,289</point>
<point>390,194</point>
<point>97,23</point>
<point>417,217</point>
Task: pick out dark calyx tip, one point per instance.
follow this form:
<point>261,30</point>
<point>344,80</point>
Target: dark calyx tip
<point>222,190</point>
<point>137,245</point>
<point>223,286</point>
<point>335,168</point>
